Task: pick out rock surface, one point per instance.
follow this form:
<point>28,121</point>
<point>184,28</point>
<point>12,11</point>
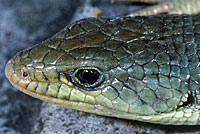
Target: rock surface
<point>24,23</point>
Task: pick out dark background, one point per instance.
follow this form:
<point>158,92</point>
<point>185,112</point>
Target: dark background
<point>24,23</point>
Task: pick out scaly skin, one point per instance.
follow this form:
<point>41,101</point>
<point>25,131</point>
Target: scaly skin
<point>148,68</point>
<point>168,6</point>
<point>141,68</point>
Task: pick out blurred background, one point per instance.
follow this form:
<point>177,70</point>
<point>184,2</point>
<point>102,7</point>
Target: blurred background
<point>24,23</point>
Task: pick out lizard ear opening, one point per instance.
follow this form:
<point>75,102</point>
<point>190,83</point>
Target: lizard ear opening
<point>88,77</point>
<point>190,101</point>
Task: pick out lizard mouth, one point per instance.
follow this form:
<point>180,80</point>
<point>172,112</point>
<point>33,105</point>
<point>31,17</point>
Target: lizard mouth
<point>187,100</point>
<point>24,82</point>
<point>31,87</point>
<point>182,111</point>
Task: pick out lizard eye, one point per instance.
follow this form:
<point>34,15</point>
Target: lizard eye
<point>25,74</point>
<point>88,77</point>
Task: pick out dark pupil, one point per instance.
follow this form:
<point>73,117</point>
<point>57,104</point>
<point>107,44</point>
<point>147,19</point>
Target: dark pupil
<point>87,76</point>
<point>25,74</point>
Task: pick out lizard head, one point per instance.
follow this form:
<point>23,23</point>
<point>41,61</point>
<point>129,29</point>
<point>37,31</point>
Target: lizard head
<point>93,65</point>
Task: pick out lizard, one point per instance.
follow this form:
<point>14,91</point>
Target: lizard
<point>143,68</point>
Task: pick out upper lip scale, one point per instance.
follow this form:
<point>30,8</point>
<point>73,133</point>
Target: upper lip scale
<point>9,70</point>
